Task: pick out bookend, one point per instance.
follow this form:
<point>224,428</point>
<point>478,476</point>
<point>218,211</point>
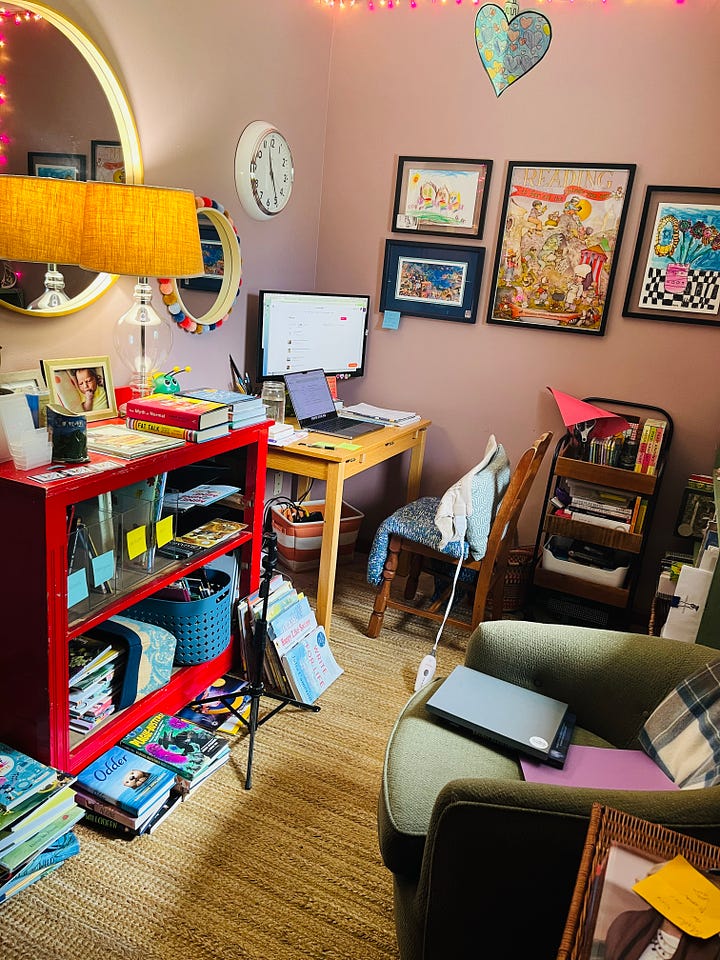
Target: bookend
<point>256,689</point>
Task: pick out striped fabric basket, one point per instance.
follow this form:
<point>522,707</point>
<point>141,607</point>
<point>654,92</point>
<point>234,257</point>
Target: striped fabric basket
<point>299,543</point>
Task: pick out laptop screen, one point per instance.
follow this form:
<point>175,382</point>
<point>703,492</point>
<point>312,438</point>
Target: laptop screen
<point>310,395</point>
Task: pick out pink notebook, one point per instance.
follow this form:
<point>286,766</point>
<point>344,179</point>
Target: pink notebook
<point>602,768</point>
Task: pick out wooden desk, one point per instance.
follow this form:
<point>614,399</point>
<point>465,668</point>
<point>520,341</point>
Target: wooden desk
<point>334,467</point>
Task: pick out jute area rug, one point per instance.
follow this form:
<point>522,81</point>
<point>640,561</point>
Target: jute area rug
<point>286,871</point>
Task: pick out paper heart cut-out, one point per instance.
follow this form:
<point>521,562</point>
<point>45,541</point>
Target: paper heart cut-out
<point>509,50</point>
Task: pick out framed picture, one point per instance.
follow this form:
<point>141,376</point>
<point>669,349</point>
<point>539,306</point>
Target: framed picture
<point>23,381</point>
<point>675,272</point>
<point>62,166</point>
<point>82,385</point>
<point>213,260</point>
<point>560,232</point>
<point>441,197</point>
<point>438,281</point>
<point>106,161</point>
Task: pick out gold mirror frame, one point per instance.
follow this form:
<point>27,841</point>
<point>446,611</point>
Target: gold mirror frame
<point>127,133</point>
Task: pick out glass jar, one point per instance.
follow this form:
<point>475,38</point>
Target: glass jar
<point>273,397</point>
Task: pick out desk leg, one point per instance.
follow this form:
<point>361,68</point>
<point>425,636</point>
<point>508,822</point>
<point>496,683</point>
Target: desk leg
<point>417,456</point>
<point>330,542</point>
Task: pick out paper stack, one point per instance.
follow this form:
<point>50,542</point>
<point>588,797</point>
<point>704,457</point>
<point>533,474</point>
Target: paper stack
<point>391,418</point>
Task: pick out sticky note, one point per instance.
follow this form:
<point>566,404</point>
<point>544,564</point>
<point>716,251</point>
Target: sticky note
<point>103,567</point>
<point>136,541</point>
<point>77,587</point>
<point>391,319</point>
<point>684,896</point>
<point>348,446</point>
<point>164,531</point>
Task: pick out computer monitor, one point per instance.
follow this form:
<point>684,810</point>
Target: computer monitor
<point>304,331</point>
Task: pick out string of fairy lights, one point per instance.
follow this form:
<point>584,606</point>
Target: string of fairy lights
<point>18,17</point>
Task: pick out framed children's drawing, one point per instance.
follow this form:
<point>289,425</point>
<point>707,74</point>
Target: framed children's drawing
<point>441,197</point>
<point>438,281</point>
<point>675,272</point>
<point>560,232</point>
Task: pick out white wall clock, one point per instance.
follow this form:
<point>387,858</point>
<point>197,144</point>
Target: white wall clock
<point>263,170</point>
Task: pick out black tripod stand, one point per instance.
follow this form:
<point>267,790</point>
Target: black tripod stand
<point>256,688</point>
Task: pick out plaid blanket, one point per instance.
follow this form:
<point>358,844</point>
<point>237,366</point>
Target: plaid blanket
<point>682,735</point>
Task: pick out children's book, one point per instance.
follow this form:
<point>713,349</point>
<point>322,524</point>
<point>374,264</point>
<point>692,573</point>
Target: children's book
<point>130,782</point>
<point>200,496</point>
<point>18,856</point>
<point>49,859</point>
<point>87,653</point>
<point>177,744</point>
<point>287,627</point>
<point>38,818</point>
<point>21,777</point>
<point>89,801</point>
<point>310,665</point>
<point>120,441</point>
<point>212,533</point>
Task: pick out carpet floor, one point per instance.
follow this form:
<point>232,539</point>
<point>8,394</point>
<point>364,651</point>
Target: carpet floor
<point>289,870</point>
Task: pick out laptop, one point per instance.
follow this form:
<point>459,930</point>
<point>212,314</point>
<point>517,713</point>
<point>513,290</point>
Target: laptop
<point>511,716</point>
<point>314,407</point>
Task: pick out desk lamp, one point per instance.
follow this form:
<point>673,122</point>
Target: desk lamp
<point>40,222</point>
<point>143,232</point>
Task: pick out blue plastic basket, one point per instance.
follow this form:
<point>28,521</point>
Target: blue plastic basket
<point>202,627</point>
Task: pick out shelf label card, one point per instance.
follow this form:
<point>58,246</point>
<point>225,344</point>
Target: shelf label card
<point>136,541</point>
<point>77,587</point>
<point>103,568</point>
<point>164,531</point>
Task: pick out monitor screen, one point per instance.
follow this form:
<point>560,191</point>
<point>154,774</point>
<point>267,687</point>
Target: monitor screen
<point>303,331</point>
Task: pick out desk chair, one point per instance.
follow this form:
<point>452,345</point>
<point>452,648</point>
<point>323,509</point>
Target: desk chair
<point>486,557</point>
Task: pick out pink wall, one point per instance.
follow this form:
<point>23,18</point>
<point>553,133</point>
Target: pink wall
<point>622,82</point>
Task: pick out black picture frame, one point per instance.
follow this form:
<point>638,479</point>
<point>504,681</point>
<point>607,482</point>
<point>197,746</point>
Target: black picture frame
<point>62,166</point>
<point>677,223</point>
<point>561,230</point>
<point>212,251</point>
<point>415,274</point>
<point>440,196</point>
<point>106,161</point>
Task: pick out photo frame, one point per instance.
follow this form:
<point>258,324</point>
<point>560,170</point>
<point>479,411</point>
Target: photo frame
<point>213,260</point>
<point>70,392</point>
<point>441,197</point>
<point>675,271</point>
<point>107,162</point>
<point>61,166</point>
<point>23,381</point>
<point>619,850</point>
<point>560,232</point>
<point>437,281</point>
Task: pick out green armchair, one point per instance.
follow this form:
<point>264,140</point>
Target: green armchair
<point>479,854</point>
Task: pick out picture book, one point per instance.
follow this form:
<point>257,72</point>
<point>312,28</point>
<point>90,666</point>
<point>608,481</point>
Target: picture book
<point>287,627</point>
<point>16,857</point>
<point>67,845</point>
<point>175,743</point>
<point>89,801</point>
<point>212,533</point>
<point>21,777</point>
<point>85,654</point>
<point>35,801</point>
<point>130,782</point>
<point>178,411</point>
<point>180,433</point>
<point>212,713</point>
<point>120,441</point>
<point>200,496</point>
<point>310,665</point>
<point>34,821</point>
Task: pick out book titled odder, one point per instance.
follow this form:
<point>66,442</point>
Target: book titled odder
<point>130,782</point>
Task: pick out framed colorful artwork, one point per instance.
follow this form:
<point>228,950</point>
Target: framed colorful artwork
<point>441,197</point>
<point>438,281</point>
<point>675,272</point>
<point>213,260</point>
<point>561,229</point>
<point>61,166</point>
<point>107,161</point>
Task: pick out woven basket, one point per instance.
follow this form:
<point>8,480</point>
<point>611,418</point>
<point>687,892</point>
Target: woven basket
<point>202,627</point>
<point>517,579</point>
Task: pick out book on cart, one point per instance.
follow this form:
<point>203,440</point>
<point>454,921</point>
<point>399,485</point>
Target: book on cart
<point>118,440</point>
<point>180,433</point>
<point>178,410</point>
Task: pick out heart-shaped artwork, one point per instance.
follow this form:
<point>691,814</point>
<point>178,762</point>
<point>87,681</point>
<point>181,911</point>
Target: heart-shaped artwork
<point>509,50</point>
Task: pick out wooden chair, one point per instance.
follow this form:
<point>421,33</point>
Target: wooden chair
<point>491,569</point>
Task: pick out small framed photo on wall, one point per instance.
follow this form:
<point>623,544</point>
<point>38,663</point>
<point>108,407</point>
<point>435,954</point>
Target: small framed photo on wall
<point>675,272</point>
<point>441,197</point>
<point>560,231</point>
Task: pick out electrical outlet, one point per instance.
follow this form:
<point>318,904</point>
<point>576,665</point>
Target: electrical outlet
<point>277,483</point>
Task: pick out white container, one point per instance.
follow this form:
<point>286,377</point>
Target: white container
<point>610,578</point>
<point>15,419</point>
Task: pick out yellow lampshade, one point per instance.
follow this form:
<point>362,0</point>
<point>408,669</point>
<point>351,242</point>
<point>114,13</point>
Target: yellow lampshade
<point>41,219</point>
<point>140,231</point>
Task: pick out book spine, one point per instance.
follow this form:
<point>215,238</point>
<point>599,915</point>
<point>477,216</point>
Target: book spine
<point>166,429</point>
<point>174,418</point>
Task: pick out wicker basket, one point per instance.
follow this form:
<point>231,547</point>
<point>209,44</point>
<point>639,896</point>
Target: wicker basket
<point>202,627</point>
<point>518,577</point>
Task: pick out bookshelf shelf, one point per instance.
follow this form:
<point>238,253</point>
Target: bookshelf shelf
<point>34,573</point>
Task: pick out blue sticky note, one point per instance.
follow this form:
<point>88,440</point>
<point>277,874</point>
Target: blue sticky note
<point>391,319</point>
<point>103,568</point>
<point>77,588</point>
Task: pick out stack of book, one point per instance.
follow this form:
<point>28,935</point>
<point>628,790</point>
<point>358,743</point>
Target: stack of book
<point>176,415</point>
<point>298,660</point>
<point>96,669</point>
<point>37,814</point>
<point>650,445</point>
<point>601,506</point>
<point>125,794</point>
<point>390,418</point>
<point>243,408</point>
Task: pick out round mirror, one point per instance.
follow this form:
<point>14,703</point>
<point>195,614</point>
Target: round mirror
<point>67,116</point>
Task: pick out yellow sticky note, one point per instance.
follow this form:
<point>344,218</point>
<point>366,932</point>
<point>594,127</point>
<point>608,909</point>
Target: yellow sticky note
<point>136,541</point>
<point>684,896</point>
<point>164,531</point>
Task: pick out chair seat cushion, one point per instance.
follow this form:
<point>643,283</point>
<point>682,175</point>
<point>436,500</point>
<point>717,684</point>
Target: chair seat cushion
<point>423,755</point>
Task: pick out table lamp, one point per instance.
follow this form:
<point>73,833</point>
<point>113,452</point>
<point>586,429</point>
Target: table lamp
<point>143,232</point>
<point>40,222</point>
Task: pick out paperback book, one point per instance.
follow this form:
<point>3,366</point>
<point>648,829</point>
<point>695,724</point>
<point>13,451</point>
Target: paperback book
<point>180,433</point>
<point>177,744</point>
<point>130,782</point>
<point>200,496</point>
<point>19,855</point>
<point>21,777</point>
<point>45,812</point>
<point>178,411</point>
<point>212,533</point>
<point>39,866</point>
<point>310,665</point>
<point>120,441</point>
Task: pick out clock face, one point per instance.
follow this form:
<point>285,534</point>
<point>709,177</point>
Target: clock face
<point>271,173</point>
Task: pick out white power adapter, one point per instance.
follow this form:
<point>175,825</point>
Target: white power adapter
<point>426,671</point>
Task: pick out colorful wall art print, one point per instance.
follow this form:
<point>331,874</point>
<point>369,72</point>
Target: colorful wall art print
<point>510,43</point>
<point>561,228</point>
<point>436,280</point>
<point>446,198</point>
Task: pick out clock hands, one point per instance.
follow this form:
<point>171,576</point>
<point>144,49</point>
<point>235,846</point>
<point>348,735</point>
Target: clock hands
<point>272,177</point>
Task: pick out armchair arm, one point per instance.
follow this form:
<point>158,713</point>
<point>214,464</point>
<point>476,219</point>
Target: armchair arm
<point>611,680</point>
